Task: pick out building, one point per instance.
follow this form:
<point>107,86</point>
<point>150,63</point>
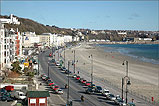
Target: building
<point>48,39</point>
<point>37,98</point>
<point>12,20</point>
<point>10,43</point>
<point>29,39</point>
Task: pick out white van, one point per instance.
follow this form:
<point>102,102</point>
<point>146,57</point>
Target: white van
<point>105,92</point>
<point>18,95</point>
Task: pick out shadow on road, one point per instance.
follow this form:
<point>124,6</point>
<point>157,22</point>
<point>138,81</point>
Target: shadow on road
<point>77,100</point>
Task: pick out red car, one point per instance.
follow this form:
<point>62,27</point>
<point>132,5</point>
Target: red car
<point>50,54</point>
<point>88,83</point>
<point>78,78</point>
<point>83,81</point>
<point>51,83</point>
<point>56,88</point>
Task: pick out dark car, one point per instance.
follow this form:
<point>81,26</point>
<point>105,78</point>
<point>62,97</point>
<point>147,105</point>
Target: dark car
<point>63,69</point>
<point>67,72</point>
<point>3,98</point>
<point>53,60</point>
<point>89,91</point>
<point>98,89</point>
<point>92,85</point>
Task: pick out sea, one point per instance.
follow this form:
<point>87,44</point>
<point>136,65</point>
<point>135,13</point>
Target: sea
<point>144,52</point>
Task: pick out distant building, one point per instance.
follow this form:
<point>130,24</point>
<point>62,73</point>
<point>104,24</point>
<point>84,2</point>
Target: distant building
<point>29,39</point>
<point>12,20</point>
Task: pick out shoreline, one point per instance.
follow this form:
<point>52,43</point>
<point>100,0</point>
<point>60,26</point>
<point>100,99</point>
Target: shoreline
<point>135,57</point>
<point>138,42</point>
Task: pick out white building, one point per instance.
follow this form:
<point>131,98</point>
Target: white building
<point>10,43</point>
<point>122,33</point>
<point>48,39</point>
<point>29,38</point>
<point>12,20</point>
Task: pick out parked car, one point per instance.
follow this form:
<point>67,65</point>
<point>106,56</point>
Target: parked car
<point>56,88</point>
<point>89,91</point>
<point>84,81</point>
<point>88,83</point>
<point>105,92</point>
<point>74,76</point>
<point>63,69</point>
<point>81,79</point>
<point>111,97</point>
<point>50,55</point>
<point>92,86</point>
<point>59,91</point>
<point>67,72</point>
<point>98,89</point>
<point>78,78</point>
<point>51,83</point>
<point>18,95</point>
<point>53,60</point>
<point>57,63</point>
<point>43,77</point>
<point>46,78</point>
<point>119,102</point>
<point>49,80</point>
<point>52,86</point>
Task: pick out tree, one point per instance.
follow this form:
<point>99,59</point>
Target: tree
<point>16,67</point>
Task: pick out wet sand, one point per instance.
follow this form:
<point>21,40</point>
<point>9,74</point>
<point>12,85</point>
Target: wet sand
<point>108,66</point>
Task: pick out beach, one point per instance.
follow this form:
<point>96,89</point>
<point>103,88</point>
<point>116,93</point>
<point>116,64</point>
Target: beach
<point>108,66</point>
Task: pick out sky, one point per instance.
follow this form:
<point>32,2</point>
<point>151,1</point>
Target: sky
<point>97,15</point>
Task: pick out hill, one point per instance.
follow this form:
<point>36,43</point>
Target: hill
<point>33,26</point>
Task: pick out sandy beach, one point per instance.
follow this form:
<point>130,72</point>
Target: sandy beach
<point>108,66</point>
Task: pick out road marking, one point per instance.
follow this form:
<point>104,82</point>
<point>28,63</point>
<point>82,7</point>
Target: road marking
<point>61,98</point>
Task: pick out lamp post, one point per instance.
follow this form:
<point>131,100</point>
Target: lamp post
<point>74,61</point>
<point>48,69</point>
<point>127,81</point>
<point>38,63</point>
<point>68,102</point>
<point>91,56</point>
<point>64,56</point>
<point>58,54</point>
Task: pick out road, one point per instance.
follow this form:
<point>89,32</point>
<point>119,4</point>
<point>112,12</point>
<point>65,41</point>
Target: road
<point>76,89</point>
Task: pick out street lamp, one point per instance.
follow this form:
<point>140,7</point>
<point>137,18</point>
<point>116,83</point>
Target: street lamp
<point>64,56</point>
<point>91,56</point>
<point>38,64</point>
<point>58,53</point>
<point>48,69</point>
<point>74,61</point>
<point>68,102</point>
<point>127,80</point>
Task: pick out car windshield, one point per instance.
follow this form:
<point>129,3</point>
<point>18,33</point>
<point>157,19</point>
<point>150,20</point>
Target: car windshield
<point>111,95</point>
<point>99,88</point>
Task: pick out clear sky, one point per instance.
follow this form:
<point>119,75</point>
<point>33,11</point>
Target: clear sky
<point>113,15</point>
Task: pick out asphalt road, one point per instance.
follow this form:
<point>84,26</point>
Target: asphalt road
<point>76,89</point>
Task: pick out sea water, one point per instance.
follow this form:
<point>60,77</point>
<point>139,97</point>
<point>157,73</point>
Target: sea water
<point>143,52</point>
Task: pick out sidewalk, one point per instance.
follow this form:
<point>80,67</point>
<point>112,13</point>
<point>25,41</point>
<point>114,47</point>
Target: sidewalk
<point>54,99</point>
